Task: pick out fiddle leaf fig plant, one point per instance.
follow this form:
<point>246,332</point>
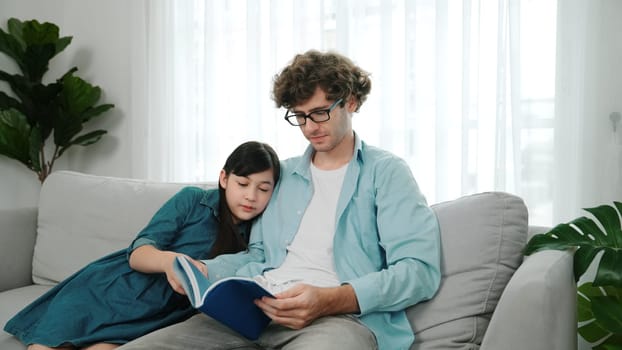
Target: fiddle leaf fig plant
<point>36,111</point>
<point>599,301</point>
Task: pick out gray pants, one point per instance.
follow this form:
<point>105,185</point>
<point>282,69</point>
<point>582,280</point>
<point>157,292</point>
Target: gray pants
<point>202,332</point>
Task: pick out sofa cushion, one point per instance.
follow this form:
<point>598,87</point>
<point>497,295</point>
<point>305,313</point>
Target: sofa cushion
<point>17,238</point>
<point>11,301</point>
<point>84,217</point>
<point>482,238</point>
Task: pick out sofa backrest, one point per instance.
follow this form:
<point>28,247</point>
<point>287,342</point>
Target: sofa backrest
<point>84,217</point>
<point>482,238</point>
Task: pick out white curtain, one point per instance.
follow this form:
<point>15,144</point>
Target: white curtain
<point>463,90</point>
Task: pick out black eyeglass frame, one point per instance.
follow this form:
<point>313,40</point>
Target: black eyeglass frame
<point>293,118</point>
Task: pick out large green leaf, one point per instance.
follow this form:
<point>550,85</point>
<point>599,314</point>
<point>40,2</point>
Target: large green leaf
<point>84,140</point>
<point>608,311</point>
<point>32,45</point>
<point>16,28</point>
<point>36,61</point>
<point>21,87</point>
<point>88,138</point>
<point>11,47</point>
<point>38,101</point>
<point>62,43</point>
<point>15,136</point>
<point>593,332</point>
<point>612,291</point>
<point>583,258</point>
<point>77,106</point>
<point>608,217</point>
<point>584,235</point>
<point>584,309</point>
<point>44,108</point>
<point>609,271</point>
<point>78,95</point>
<point>584,296</point>
<point>66,126</point>
<point>7,102</point>
<point>95,111</point>
<point>35,33</point>
<point>614,342</point>
<point>600,314</point>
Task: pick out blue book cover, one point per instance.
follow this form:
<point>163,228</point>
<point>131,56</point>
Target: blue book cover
<point>229,300</point>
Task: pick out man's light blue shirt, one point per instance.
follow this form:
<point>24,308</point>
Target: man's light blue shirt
<point>386,244</point>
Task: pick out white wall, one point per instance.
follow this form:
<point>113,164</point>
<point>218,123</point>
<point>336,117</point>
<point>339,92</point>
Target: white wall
<point>101,50</point>
<point>603,96</point>
<point>603,88</point>
<point>608,98</point>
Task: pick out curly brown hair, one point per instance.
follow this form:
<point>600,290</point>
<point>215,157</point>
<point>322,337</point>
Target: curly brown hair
<point>332,72</point>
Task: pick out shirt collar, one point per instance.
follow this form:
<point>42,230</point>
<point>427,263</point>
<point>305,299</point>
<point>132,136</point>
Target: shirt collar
<point>211,199</point>
<point>304,166</point>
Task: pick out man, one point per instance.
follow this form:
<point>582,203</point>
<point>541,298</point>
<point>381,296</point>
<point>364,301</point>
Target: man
<point>347,236</point>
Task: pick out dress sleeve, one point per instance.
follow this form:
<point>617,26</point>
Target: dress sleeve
<point>168,221</point>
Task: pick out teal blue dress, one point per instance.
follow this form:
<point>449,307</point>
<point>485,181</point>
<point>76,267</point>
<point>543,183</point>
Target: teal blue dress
<point>107,301</point>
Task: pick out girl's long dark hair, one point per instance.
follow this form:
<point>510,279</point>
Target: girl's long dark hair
<point>248,158</point>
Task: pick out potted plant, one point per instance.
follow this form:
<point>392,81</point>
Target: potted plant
<point>599,300</point>
<point>36,110</point>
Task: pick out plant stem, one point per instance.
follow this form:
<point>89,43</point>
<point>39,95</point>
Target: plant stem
<point>43,172</point>
<point>54,157</point>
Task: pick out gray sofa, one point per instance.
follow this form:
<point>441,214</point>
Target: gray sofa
<point>491,298</point>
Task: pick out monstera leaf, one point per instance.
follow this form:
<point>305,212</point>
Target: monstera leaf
<point>599,301</point>
<point>584,235</point>
<point>600,316</point>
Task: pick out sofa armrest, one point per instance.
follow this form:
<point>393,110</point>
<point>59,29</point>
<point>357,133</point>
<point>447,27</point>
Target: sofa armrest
<point>538,308</point>
<point>18,230</point>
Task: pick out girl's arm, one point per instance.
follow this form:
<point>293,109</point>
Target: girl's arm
<point>149,259</point>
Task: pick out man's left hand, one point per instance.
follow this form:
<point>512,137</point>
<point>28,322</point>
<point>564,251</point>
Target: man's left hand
<point>301,304</point>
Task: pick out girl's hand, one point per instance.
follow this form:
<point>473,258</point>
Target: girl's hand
<point>149,259</point>
<point>172,277</point>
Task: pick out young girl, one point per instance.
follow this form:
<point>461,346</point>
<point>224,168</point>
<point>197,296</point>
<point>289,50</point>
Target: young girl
<point>133,291</point>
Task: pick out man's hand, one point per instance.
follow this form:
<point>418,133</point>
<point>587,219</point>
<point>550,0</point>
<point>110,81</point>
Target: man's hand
<point>300,305</point>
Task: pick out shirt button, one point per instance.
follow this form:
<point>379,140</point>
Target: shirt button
<point>299,212</point>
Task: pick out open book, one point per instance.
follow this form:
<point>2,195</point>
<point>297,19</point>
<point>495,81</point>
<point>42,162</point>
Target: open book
<point>229,300</point>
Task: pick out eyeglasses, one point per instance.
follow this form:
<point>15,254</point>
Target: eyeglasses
<point>319,116</point>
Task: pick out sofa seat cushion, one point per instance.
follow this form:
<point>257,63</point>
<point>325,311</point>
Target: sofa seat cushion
<point>83,217</point>
<point>11,302</point>
<point>482,238</point>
